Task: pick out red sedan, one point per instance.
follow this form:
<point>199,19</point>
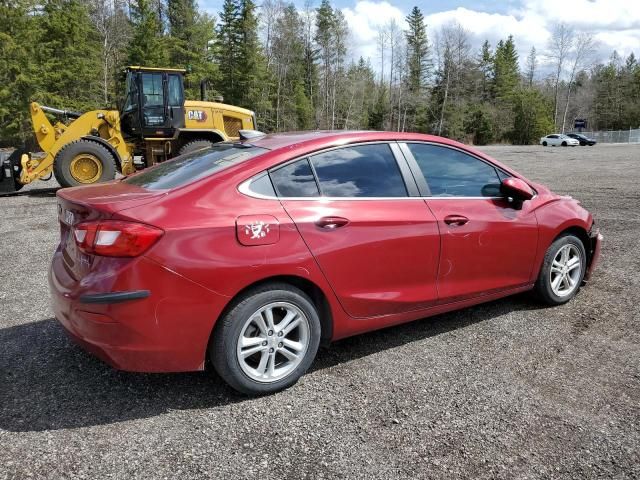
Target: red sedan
<point>253,253</point>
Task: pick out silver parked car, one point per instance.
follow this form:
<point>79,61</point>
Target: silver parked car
<point>559,139</point>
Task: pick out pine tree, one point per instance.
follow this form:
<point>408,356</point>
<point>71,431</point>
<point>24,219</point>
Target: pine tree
<point>227,49</point>
<point>417,51</point>
<point>506,70</point>
<point>533,116</point>
<point>251,65</point>
<point>148,46</point>
<point>485,65</point>
<point>191,43</point>
<point>17,76</point>
<point>532,64</point>
<point>68,61</point>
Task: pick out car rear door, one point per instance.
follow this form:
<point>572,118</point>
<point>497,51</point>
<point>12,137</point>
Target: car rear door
<point>488,243</point>
<point>359,211</point>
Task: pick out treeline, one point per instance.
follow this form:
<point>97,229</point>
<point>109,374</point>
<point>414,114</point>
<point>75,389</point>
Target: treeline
<point>295,69</point>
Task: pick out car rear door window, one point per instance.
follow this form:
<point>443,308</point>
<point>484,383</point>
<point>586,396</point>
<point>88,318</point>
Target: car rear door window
<point>359,171</point>
<point>295,180</point>
<point>452,173</point>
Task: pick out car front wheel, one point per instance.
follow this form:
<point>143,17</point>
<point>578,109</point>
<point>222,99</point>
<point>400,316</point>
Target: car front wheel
<point>564,144</point>
<point>267,340</point>
<point>544,144</point>
<point>562,270</point>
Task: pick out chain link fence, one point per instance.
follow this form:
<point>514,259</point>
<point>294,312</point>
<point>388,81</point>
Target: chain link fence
<point>614,136</point>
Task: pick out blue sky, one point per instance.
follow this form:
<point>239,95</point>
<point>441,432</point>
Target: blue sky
<point>214,6</point>
<point>614,24</point>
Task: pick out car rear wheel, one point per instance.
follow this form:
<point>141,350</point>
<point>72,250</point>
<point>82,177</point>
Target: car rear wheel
<point>562,270</point>
<point>544,144</point>
<point>267,340</point>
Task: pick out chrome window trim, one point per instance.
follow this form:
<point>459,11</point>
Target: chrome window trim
<point>245,186</point>
<point>245,189</point>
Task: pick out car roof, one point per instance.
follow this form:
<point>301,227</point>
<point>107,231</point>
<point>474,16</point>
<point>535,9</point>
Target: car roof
<point>325,138</point>
<point>285,146</point>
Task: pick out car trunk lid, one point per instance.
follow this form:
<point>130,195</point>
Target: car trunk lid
<point>92,203</point>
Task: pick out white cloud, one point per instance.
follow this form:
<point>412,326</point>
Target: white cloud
<point>615,24</point>
<point>365,20</point>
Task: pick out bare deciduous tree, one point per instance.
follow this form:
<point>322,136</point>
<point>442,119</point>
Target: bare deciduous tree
<point>559,46</point>
<point>581,54</point>
<point>110,21</point>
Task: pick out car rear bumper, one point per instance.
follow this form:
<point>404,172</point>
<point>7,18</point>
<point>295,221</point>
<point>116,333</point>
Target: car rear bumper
<point>166,330</point>
<point>594,257</point>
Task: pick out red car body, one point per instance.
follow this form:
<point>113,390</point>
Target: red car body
<point>369,263</point>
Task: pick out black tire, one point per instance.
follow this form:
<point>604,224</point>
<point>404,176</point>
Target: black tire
<point>194,145</point>
<point>564,144</point>
<point>223,348</point>
<point>62,162</point>
<point>15,159</point>
<point>543,287</point>
<point>544,144</point>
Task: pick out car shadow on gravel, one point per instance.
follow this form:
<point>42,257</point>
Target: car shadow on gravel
<point>49,383</point>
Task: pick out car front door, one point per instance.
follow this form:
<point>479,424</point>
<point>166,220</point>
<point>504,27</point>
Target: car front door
<point>363,220</point>
<point>488,243</point>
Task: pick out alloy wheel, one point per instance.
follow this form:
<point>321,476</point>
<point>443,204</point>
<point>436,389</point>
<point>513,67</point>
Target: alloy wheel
<point>273,342</point>
<point>566,270</point>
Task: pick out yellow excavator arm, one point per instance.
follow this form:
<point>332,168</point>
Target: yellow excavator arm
<point>101,125</point>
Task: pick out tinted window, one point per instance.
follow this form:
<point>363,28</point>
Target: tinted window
<point>360,171</point>
<point>295,180</point>
<point>262,186</point>
<point>453,173</point>
<point>193,166</point>
<point>152,89</point>
<point>175,91</point>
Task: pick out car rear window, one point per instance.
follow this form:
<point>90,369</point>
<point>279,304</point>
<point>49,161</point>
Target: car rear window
<point>193,166</point>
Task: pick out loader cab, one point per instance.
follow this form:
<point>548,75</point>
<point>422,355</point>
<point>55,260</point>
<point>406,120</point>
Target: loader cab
<point>153,103</point>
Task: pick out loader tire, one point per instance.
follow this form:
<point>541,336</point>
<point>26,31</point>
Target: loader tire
<point>194,145</point>
<point>83,162</point>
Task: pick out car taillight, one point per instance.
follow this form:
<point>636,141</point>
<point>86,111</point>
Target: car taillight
<point>113,238</point>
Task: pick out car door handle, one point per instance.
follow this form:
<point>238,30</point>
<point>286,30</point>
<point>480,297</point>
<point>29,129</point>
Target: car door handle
<point>455,220</point>
<point>331,223</point>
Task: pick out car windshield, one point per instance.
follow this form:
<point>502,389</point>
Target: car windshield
<point>188,168</point>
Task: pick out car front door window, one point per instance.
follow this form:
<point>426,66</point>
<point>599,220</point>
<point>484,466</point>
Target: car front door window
<point>452,173</point>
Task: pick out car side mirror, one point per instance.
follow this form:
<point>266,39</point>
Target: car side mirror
<point>516,188</point>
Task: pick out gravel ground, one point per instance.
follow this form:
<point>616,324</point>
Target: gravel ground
<point>502,390</point>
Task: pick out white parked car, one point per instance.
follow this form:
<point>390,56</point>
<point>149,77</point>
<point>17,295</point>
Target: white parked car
<point>559,139</point>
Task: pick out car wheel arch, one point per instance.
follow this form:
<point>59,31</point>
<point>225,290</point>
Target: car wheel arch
<point>579,232</point>
<point>313,291</point>
<point>576,230</point>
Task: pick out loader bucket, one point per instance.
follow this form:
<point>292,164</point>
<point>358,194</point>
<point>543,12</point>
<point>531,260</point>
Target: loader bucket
<point>10,171</point>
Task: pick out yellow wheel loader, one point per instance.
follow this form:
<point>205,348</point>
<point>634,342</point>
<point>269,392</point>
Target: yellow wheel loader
<point>155,123</point>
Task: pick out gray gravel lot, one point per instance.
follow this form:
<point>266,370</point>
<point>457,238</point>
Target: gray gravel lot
<point>502,390</point>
